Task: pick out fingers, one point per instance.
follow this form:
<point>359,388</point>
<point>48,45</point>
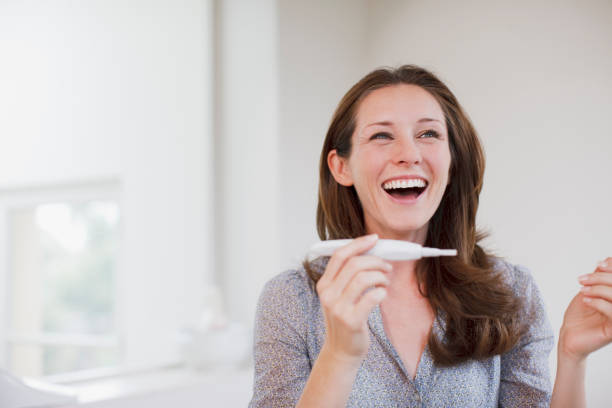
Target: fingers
<point>598,291</point>
<point>604,266</point>
<point>359,273</point>
<point>355,316</point>
<point>352,307</point>
<point>357,264</point>
<point>601,275</point>
<point>597,288</point>
<point>363,281</point>
<point>342,255</point>
<point>368,301</point>
<point>596,279</point>
<point>602,306</point>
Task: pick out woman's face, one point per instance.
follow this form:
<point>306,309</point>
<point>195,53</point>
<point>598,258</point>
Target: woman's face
<point>399,161</point>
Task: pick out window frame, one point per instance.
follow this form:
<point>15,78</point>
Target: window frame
<point>76,192</point>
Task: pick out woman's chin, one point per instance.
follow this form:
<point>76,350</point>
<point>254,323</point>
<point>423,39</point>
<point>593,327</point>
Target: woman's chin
<point>414,232</point>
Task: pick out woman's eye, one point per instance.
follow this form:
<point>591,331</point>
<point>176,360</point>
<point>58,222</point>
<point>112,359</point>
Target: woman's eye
<point>429,133</point>
<point>381,135</point>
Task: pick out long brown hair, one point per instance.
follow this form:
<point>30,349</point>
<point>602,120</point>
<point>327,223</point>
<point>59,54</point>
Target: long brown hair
<point>480,310</point>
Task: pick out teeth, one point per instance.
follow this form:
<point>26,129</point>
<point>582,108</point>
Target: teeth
<point>409,183</point>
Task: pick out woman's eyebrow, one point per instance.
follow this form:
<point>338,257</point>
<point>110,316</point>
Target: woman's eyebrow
<point>387,123</point>
<point>383,123</point>
<point>428,120</point>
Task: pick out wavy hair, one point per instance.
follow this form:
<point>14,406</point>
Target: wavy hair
<point>480,309</point>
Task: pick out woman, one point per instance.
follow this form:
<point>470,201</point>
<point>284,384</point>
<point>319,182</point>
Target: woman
<point>401,160</point>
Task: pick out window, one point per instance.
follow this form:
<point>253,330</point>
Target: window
<point>60,271</point>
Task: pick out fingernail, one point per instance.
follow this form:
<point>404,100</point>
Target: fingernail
<point>603,264</point>
<point>587,299</point>
<point>583,278</point>
<point>585,289</point>
<point>372,237</point>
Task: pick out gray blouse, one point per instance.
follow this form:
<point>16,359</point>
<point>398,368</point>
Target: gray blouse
<point>290,331</point>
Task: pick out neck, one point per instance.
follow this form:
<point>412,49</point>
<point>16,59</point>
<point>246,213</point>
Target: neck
<point>403,280</point>
<point>418,236</point>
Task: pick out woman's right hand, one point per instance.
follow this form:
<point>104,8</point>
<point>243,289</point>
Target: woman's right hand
<point>345,305</point>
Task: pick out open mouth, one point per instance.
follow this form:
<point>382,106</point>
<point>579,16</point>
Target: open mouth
<point>405,188</point>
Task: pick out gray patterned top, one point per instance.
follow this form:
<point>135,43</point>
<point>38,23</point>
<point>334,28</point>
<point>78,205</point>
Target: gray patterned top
<point>290,331</point>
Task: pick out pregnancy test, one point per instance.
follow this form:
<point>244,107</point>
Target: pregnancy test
<point>389,249</point>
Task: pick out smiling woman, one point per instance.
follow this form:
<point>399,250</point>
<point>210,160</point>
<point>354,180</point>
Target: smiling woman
<point>402,161</point>
<point>400,136</point>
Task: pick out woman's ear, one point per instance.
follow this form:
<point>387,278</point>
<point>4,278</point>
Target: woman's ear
<point>339,168</point>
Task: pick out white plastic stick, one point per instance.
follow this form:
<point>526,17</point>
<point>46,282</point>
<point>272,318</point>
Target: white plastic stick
<point>390,249</point>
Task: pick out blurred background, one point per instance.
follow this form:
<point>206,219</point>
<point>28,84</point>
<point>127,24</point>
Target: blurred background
<point>159,159</point>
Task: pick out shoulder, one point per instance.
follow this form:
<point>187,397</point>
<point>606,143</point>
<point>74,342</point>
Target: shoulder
<point>293,282</point>
<point>525,377</point>
<point>517,277</point>
<point>533,310</point>
<point>290,294</point>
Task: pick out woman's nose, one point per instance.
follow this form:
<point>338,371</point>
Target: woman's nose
<point>407,151</point>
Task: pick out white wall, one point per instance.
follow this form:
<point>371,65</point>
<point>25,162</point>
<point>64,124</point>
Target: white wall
<point>321,47</point>
<point>247,166</point>
<point>120,90</point>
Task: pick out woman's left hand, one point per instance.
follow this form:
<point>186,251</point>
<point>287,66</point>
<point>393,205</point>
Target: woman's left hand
<point>587,324</point>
